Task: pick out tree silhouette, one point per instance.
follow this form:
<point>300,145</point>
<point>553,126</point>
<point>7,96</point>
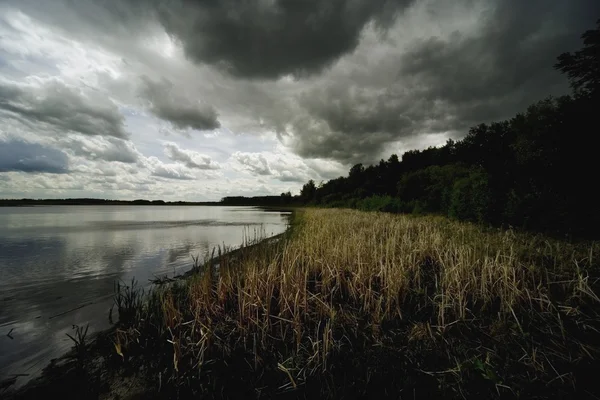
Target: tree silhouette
<point>307,194</point>
<point>583,66</point>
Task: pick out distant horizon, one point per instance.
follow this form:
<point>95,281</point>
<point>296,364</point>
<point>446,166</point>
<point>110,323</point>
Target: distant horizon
<point>57,199</point>
<point>101,199</point>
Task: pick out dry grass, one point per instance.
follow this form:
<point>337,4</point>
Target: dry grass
<point>356,304</point>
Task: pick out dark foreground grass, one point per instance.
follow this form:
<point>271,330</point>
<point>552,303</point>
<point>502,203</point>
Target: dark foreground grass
<point>364,305</point>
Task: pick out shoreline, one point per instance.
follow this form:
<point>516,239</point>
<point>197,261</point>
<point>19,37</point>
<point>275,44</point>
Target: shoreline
<point>61,367</point>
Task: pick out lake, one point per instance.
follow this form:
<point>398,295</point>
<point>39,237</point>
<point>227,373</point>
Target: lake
<point>59,264</point>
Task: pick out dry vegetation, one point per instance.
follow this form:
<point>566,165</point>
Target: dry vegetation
<point>354,304</point>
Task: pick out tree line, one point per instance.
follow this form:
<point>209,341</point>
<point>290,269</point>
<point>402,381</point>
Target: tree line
<point>536,170</point>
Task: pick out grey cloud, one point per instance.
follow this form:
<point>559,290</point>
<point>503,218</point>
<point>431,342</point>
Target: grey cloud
<point>168,171</point>
<point>182,112</point>
<point>443,84</point>
<point>352,124</point>
<point>253,162</point>
<point>271,38</point>
<point>288,176</point>
<point>326,169</point>
<point>358,110</point>
<point>18,155</point>
<point>276,166</point>
<point>345,147</point>
<point>57,106</point>
<point>506,66</point>
<point>102,149</point>
<point>190,159</point>
<point>255,39</point>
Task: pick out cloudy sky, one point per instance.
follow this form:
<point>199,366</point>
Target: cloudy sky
<point>196,100</point>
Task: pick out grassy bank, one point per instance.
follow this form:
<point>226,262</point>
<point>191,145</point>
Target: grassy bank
<point>353,304</point>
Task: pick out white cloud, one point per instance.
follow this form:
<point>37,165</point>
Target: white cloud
<point>169,171</point>
<point>253,162</point>
<point>190,159</point>
<point>282,166</point>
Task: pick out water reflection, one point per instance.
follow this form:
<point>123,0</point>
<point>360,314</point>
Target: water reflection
<point>58,265</point>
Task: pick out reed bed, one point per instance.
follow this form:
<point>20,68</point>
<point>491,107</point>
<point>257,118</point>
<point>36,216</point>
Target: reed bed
<point>353,304</point>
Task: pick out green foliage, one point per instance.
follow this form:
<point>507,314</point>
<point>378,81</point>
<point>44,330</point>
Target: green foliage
<point>471,197</point>
<point>429,189</point>
<point>380,203</point>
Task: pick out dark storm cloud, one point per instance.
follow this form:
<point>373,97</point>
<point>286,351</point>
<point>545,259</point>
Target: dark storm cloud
<point>357,110</point>
<point>446,84</point>
<point>271,38</point>
<point>17,155</point>
<point>254,39</point>
<point>181,112</point>
<point>507,65</point>
<point>352,124</point>
<point>58,107</point>
<point>345,147</point>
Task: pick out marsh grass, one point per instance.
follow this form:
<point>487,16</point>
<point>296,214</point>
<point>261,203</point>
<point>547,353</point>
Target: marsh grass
<point>352,304</point>
<point>128,301</point>
<point>79,340</point>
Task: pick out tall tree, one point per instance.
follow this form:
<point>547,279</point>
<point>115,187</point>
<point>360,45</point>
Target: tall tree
<point>583,66</point>
<point>307,194</point>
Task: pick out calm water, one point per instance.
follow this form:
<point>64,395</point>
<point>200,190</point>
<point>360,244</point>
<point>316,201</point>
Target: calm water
<point>58,265</point>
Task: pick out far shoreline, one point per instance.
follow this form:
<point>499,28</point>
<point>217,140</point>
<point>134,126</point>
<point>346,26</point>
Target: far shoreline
<point>257,201</point>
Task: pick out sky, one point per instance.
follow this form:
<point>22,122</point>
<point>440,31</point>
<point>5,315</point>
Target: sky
<point>197,100</point>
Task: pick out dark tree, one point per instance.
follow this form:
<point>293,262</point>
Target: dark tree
<point>286,198</point>
<point>307,194</point>
<point>583,66</point>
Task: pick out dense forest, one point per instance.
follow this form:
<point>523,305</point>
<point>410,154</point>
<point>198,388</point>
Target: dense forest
<point>536,170</point>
